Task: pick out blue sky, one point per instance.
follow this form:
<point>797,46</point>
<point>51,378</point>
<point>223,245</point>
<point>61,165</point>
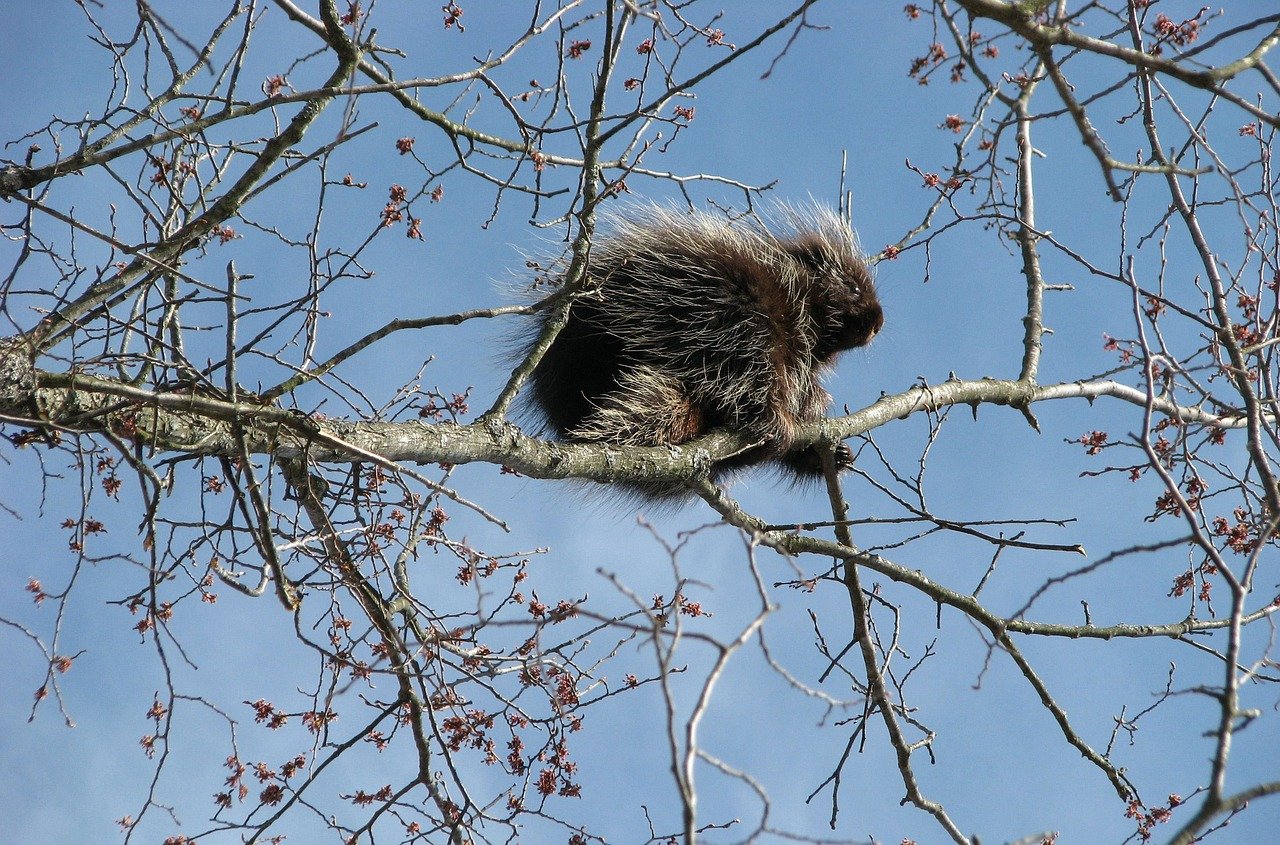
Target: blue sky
<point>1002,768</point>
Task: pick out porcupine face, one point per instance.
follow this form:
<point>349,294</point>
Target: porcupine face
<point>839,290</point>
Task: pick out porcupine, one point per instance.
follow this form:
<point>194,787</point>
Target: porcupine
<point>692,322</point>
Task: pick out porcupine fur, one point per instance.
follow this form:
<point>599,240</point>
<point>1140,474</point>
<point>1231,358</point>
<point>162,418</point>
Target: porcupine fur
<point>691,322</point>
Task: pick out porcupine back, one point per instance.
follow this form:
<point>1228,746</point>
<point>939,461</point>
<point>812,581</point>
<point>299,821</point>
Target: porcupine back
<point>694,322</point>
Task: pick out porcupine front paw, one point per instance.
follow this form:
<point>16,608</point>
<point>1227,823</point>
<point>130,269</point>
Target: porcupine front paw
<point>808,461</point>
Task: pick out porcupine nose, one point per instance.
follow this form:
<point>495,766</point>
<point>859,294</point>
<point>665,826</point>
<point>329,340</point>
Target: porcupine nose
<point>860,328</point>
<point>877,323</point>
